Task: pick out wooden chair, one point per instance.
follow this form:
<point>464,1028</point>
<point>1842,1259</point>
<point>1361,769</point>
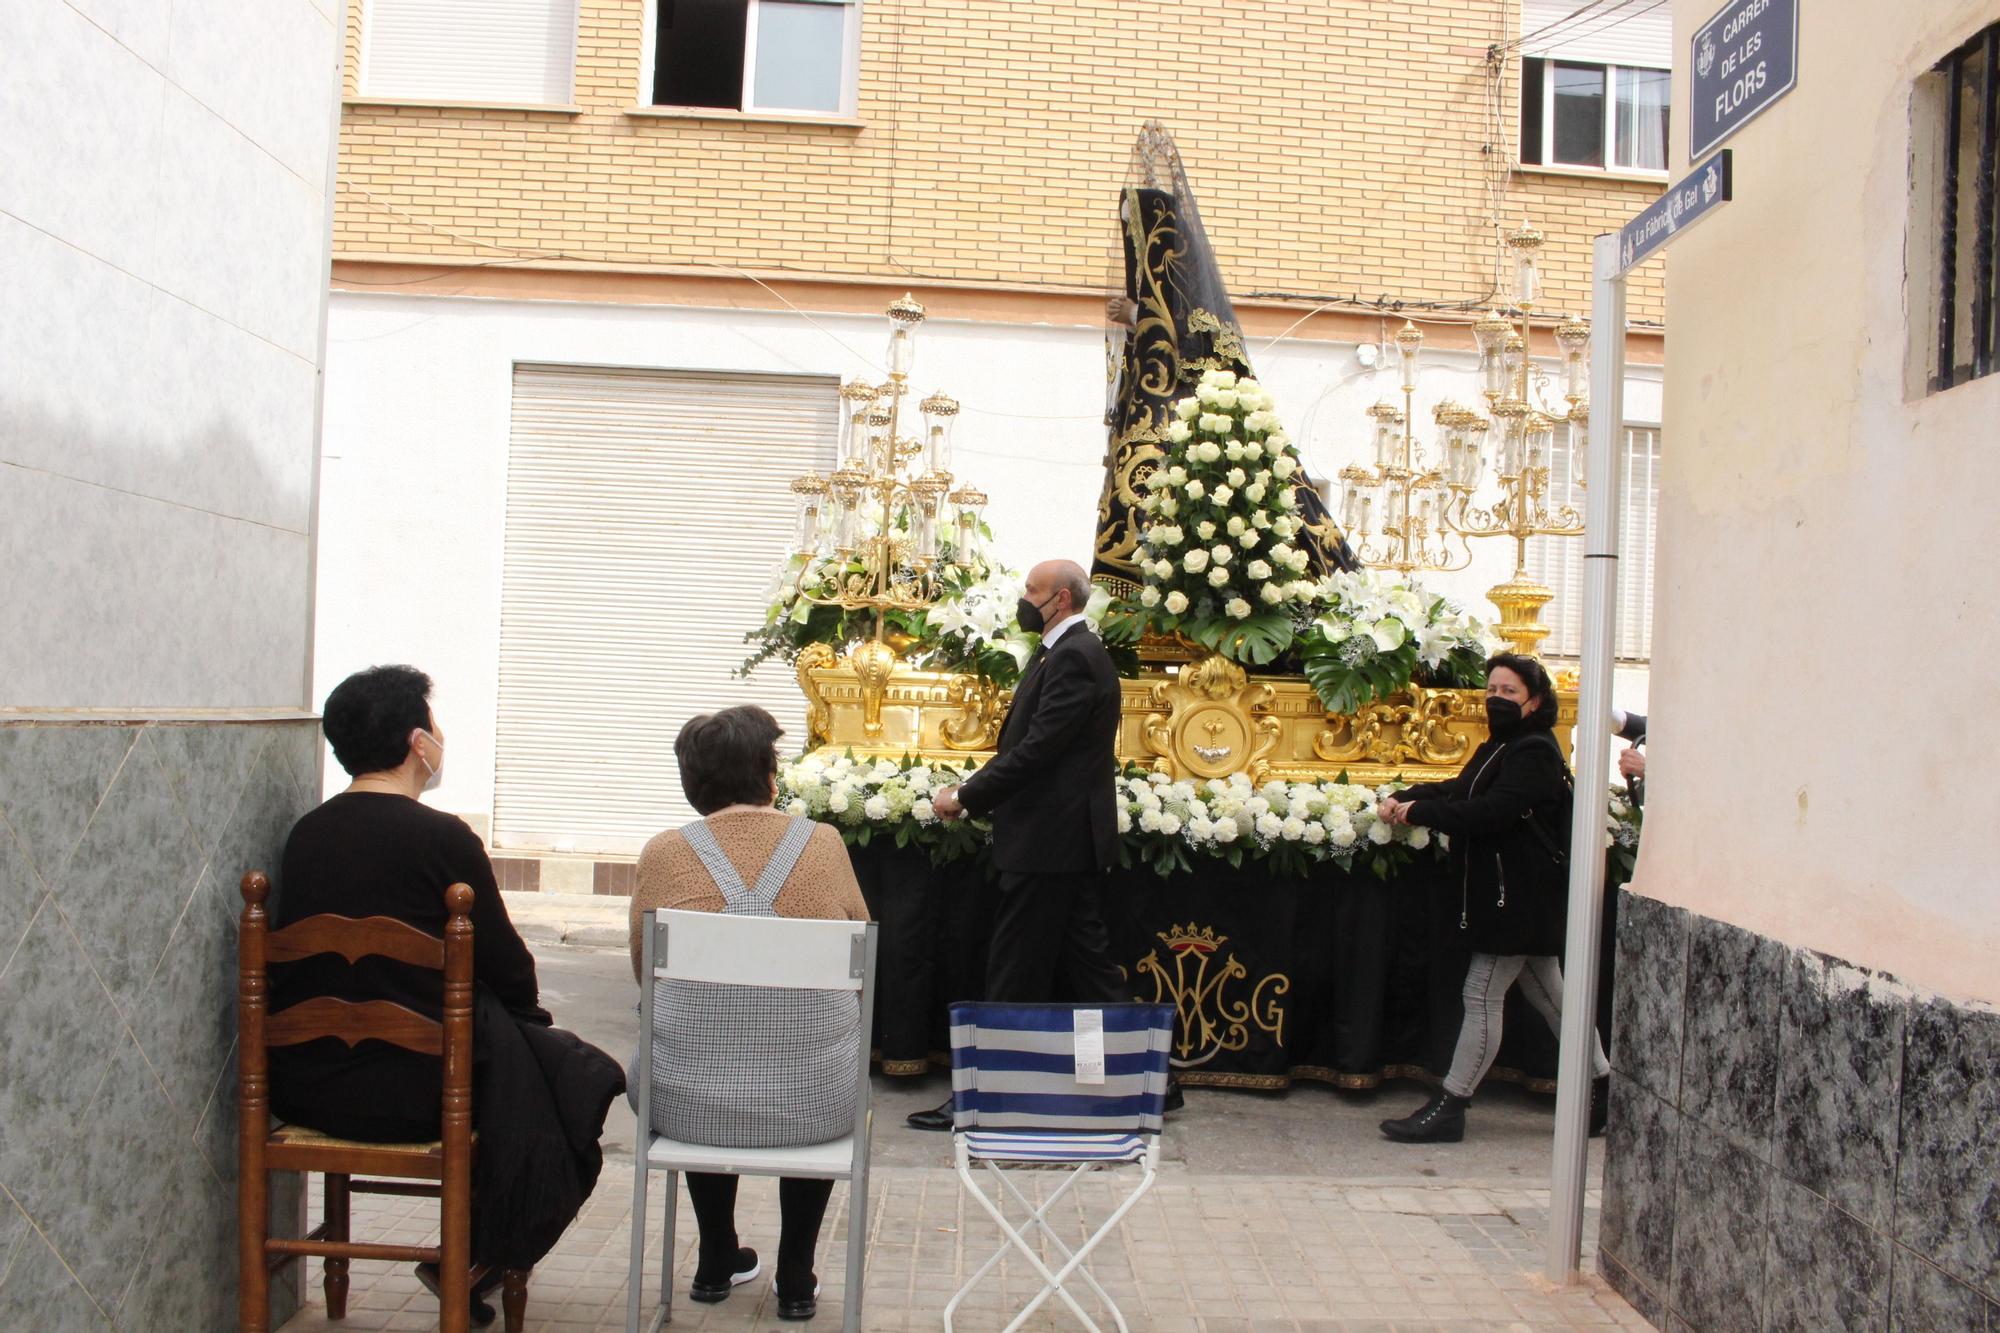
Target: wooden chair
<point>441,1169</point>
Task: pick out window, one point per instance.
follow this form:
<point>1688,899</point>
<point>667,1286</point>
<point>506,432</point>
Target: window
<point>786,57</point>
<point>1957,214</point>
<point>520,51</point>
<point>1575,114</point>
<point>1558,562</point>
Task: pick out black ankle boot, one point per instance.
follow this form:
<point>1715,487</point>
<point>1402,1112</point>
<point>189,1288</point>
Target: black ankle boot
<point>1439,1120</point>
<point>1600,1105</point>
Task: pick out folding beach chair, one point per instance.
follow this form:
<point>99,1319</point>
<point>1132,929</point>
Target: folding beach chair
<point>784,953</point>
<point>1054,1086</point>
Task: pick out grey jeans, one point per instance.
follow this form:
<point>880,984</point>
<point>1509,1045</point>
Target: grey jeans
<point>1487,981</point>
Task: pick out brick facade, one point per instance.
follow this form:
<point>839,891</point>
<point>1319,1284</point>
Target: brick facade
<point>1340,148</point>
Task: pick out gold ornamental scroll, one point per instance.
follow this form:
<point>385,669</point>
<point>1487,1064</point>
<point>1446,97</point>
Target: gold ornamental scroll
<point>1206,719</point>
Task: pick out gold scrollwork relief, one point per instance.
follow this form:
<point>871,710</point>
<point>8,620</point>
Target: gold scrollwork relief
<point>819,716</point>
<point>976,725</point>
<point>872,663</point>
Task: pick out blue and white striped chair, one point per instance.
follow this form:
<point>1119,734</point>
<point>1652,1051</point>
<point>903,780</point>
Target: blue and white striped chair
<point>1055,1085</point>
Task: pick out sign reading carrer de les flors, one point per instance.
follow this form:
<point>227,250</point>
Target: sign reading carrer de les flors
<point>1741,61</point>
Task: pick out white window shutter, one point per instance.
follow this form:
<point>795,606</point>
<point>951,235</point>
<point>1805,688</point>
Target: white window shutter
<point>647,515</point>
<point>470,50</point>
<point>1615,32</point>
<point>1558,561</point>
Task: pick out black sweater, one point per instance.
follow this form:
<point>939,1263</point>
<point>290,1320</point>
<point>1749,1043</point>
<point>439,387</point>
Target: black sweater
<point>374,854</point>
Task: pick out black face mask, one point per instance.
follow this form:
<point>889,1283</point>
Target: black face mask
<point>1029,616</point>
<point>1503,716</point>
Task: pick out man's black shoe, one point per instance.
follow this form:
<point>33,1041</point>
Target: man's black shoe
<point>938,1117</point>
<point>803,1307</point>
<point>1176,1099</point>
<point>708,1290</point>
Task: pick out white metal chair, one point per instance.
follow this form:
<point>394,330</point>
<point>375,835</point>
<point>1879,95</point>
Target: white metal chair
<point>781,953</point>
<point>1056,1085</point>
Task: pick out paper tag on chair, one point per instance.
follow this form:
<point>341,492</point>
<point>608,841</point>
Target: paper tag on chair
<point>1090,1046</point>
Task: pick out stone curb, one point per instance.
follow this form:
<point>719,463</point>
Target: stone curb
<point>576,920</point>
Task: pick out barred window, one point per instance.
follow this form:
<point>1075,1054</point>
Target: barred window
<point>1955,127</point>
<point>1558,561</point>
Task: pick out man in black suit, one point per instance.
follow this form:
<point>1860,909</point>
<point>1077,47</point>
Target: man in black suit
<point>1051,791</point>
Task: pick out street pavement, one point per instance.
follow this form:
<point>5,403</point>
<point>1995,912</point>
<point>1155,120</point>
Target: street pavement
<point>1283,1211</point>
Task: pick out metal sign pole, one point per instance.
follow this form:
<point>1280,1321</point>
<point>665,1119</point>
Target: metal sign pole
<point>1604,486</point>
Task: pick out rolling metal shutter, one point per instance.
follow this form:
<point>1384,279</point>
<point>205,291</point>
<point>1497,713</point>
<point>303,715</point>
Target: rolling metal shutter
<point>647,513</point>
<point>1558,561</point>
<point>470,50</point>
<point>1608,32</point>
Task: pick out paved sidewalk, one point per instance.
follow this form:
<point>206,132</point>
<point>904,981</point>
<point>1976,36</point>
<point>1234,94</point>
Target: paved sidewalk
<point>1272,1211</point>
<point>1221,1254</point>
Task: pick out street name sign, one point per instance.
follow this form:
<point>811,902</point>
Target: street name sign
<point>1686,202</point>
<point>1741,61</point>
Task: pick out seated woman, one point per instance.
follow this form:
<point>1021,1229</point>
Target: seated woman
<point>755,1068</point>
<point>376,850</point>
<point>1506,814</point>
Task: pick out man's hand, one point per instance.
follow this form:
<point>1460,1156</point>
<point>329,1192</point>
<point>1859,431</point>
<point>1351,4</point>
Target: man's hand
<point>1632,764</point>
<point>1122,310</point>
<point>945,803</point>
<point>1393,811</point>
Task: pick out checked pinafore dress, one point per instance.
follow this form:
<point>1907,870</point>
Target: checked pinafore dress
<point>746,1066</point>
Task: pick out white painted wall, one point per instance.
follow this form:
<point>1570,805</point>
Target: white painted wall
<point>165,168</point>
<point>413,480</point>
<point>1826,616</point>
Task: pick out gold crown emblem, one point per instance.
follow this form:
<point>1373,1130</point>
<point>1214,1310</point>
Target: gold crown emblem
<point>1189,938</point>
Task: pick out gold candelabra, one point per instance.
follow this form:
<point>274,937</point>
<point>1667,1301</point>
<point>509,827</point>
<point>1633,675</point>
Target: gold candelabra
<point>876,534</point>
<point>1394,510</point>
<point>1523,440</point>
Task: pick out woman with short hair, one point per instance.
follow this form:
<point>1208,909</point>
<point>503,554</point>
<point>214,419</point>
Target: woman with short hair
<point>1507,815</point>
<point>745,1067</point>
<point>375,849</point>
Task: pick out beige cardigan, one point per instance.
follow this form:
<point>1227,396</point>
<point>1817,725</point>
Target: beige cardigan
<point>821,886</point>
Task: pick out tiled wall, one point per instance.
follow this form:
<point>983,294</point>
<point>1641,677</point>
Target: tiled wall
<point>1795,1143</point>
<point>120,851</point>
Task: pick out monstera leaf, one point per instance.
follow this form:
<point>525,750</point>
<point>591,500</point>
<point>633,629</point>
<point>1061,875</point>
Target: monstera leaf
<point>1252,641</point>
<point>1352,673</point>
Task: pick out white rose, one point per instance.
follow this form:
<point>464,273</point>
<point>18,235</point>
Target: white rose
<point>1287,500</point>
<point>1205,530</point>
<point>1236,525</point>
<point>1257,569</point>
<point>1282,553</point>
<point>1254,493</point>
<point>1176,602</point>
<point>1163,569</point>
<point>1218,576</point>
<point>1149,596</point>
<point>1420,838</point>
<point>1206,392</point>
<point>1249,539</point>
<point>1195,561</point>
<point>1224,398</point>
<point>1283,467</point>
<point>1177,475</point>
<point>1260,518</point>
<point>1188,408</point>
<point>1195,490</point>
<point>1222,554</point>
<point>1271,594</point>
<point>1223,495</point>
<point>1233,452</point>
<point>1208,451</point>
<point>1222,379</point>
<point>1173,534</point>
<point>1284,525</point>
<point>1237,608</point>
<point>1178,432</point>
<point>1169,506</point>
<point>1299,561</point>
<point>1237,476</point>
<point>1156,480</point>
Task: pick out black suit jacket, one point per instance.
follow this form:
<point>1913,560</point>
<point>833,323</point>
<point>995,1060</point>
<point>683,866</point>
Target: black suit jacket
<point>1052,788</point>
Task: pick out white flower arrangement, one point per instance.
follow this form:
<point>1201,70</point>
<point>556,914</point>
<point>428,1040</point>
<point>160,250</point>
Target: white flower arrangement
<point>1223,476</point>
<point>1374,635</point>
<point>868,798</point>
<point>1291,826</point>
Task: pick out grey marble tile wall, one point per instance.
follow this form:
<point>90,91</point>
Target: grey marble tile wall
<point>120,851</point>
<point>1795,1142</point>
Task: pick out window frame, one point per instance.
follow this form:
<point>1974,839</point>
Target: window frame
<point>1609,72</point>
<point>1547,561</point>
<point>1949,193</point>
<point>746,108</point>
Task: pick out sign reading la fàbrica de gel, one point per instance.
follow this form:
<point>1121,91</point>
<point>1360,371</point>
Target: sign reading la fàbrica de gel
<point>1685,202</point>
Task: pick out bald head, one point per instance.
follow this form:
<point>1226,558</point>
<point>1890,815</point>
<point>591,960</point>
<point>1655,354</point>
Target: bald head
<point>1058,577</point>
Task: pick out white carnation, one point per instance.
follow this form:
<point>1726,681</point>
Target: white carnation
<point>1269,825</point>
<point>923,811</point>
<point>876,807</point>
<point>1169,825</point>
<point>1314,834</point>
<point>797,808</point>
<point>1380,834</point>
<point>1294,828</point>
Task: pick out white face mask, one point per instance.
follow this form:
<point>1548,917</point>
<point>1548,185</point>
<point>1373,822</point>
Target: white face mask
<point>436,772</point>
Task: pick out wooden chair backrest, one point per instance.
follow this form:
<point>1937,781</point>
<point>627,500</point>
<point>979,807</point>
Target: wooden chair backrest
<point>352,938</point>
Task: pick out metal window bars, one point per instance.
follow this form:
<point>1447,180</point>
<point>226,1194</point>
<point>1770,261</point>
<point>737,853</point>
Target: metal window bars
<point>1971,143</point>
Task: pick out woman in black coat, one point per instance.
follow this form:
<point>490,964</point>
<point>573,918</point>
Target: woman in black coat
<point>1507,815</point>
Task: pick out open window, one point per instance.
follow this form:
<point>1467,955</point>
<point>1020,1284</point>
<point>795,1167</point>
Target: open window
<point>768,57</point>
